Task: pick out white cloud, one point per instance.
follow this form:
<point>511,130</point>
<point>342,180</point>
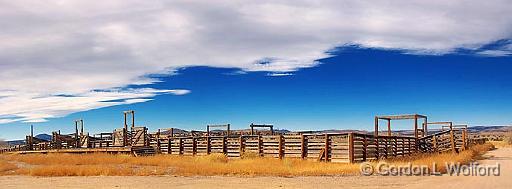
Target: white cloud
<point>279,74</point>
<point>31,107</point>
<point>495,53</point>
<point>78,47</point>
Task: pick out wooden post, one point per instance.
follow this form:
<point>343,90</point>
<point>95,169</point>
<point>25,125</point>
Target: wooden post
<point>280,146</point>
<point>388,141</point>
<point>125,131</point>
<point>410,146</point>
<point>395,146</point>
<point>208,145</point>
<point>365,147</point>
<point>169,145</point>
<point>77,140</point>
<point>241,149</point>
<point>351,147</point>
<point>376,126</point>
<point>403,147</point>
<point>133,119</point>
<point>464,139</point>
<point>194,145</point>
<point>181,146</point>
<point>415,133</point>
<point>376,134</point>
<point>302,146</point>
<point>224,147</point>
<point>158,141</point>
<point>260,144</point>
<point>31,139</point>
<point>452,141</point>
<point>326,151</point>
<point>415,126</point>
<point>389,127</point>
<point>252,129</point>
<point>425,129</point>
<point>434,143</point>
<point>81,127</point>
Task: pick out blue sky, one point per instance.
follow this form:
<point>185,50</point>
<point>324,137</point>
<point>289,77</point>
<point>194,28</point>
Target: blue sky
<point>298,64</point>
<point>342,92</point>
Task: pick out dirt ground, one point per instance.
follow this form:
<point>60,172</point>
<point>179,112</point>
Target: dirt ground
<point>503,156</point>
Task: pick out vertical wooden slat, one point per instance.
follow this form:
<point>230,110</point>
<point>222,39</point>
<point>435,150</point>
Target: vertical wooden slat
<point>386,146</point>
<point>260,146</point>
<point>169,143</point>
<point>194,145</point>
<point>389,127</point>
<point>302,146</point>
<point>365,147</point>
<point>452,141</point>
<point>280,139</point>
<point>351,147</point>
<point>241,149</point>
<point>463,139</point>
<point>409,151</point>
<point>403,146</point>
<point>181,146</point>
<point>434,143</point>
<point>395,146</point>
<point>326,151</point>
<point>208,145</point>
<point>159,149</point>
<point>415,126</point>
<point>224,147</point>
<point>376,134</point>
<point>415,143</point>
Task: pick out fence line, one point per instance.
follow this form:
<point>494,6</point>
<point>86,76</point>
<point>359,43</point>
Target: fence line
<point>330,147</point>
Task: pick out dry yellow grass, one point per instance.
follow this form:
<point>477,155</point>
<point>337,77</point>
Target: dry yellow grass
<point>214,164</point>
<point>6,167</point>
<point>501,144</point>
<point>464,157</point>
<point>505,143</point>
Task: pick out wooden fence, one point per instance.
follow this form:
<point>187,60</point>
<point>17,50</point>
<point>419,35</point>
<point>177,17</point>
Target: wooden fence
<point>334,147</point>
<point>454,140</point>
<point>331,147</point>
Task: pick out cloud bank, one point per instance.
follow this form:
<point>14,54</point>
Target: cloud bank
<point>60,57</point>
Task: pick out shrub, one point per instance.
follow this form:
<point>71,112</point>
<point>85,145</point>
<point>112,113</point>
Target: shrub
<point>3,143</point>
<point>508,138</point>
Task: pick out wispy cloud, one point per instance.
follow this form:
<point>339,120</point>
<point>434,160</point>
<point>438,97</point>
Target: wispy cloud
<point>501,48</point>
<point>495,53</point>
<point>75,47</point>
<point>31,107</point>
<point>279,74</point>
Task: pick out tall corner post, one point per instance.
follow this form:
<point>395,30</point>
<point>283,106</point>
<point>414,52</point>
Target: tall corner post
<point>376,135</point>
<point>351,147</point>
<point>452,138</point>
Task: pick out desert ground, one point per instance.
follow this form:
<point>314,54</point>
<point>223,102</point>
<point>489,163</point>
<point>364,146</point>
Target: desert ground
<point>500,155</point>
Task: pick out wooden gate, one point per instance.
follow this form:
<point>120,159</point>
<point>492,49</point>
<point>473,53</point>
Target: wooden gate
<point>118,137</point>
<point>84,141</point>
<point>139,136</point>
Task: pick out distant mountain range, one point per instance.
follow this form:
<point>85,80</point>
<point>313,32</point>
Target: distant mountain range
<point>46,137</point>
